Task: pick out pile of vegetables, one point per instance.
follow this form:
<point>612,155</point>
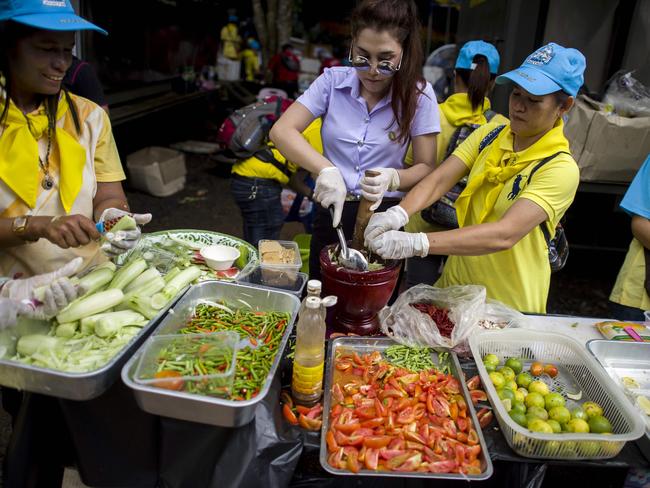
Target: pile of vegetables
<point>388,418</point>
<point>263,331</point>
<point>201,356</point>
<point>116,305</point>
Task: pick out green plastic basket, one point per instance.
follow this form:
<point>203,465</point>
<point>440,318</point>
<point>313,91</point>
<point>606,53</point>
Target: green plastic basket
<point>303,241</point>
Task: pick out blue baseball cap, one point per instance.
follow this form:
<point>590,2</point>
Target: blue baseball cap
<point>549,69</point>
<point>56,15</point>
<point>470,49</point>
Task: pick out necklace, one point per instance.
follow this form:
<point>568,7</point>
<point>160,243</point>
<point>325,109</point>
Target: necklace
<point>48,181</point>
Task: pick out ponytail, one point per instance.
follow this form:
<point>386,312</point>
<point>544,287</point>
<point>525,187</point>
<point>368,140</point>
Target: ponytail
<point>477,81</point>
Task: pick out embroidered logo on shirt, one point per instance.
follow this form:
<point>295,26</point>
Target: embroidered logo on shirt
<point>54,3</point>
<point>516,188</point>
<point>392,136</point>
<point>541,56</point>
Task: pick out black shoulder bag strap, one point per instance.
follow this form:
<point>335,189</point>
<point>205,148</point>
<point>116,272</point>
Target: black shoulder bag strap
<point>542,226</point>
<point>266,155</point>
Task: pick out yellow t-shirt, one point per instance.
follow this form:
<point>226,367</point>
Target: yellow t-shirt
<point>454,112</point>
<point>102,164</point>
<point>629,288</point>
<point>230,40</point>
<point>256,168</point>
<point>520,276</point>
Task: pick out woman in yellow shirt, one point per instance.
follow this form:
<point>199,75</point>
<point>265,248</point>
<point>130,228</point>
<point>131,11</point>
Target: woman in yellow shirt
<point>59,167</point>
<point>499,243</point>
<point>629,298</point>
<point>467,109</point>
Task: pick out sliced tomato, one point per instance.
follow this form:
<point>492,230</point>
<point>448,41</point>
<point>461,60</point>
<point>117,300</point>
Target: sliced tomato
<point>389,454</point>
<point>453,410</point>
<point>463,424</point>
<point>406,416</point>
<point>396,443</point>
<point>377,441</point>
<point>309,424</point>
<point>450,428</point>
<point>332,445</point>
<point>302,409</point>
<point>472,437</point>
<point>289,415</point>
<point>336,459</point>
<point>315,411</point>
<point>371,459</point>
<point>442,466</point>
<point>474,383</point>
<point>412,463</point>
<point>372,423</point>
<point>414,437</point>
<point>337,393</point>
<point>478,396</point>
<point>352,460</point>
<point>485,417</point>
<point>366,412</point>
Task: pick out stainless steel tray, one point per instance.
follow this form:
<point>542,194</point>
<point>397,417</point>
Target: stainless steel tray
<point>72,386</point>
<point>363,345</point>
<point>632,359</point>
<point>204,409</point>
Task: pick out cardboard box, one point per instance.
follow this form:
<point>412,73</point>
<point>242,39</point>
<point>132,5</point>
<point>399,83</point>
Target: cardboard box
<point>606,146</point>
<point>157,170</point>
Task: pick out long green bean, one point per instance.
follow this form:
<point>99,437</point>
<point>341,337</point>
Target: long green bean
<point>412,358</point>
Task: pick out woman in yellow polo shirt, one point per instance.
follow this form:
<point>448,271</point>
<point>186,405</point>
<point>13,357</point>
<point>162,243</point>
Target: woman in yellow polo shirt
<point>499,242</point>
<point>59,168</point>
<point>256,186</point>
<point>629,298</point>
<point>463,112</point>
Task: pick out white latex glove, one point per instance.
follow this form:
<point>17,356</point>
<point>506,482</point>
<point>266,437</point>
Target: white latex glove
<point>10,310</point>
<point>392,219</point>
<point>57,291</point>
<point>374,187</point>
<point>399,245</point>
<point>331,191</point>
<point>123,240</point>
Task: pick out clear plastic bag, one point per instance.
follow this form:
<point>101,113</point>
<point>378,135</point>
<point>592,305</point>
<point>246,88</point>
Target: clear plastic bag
<point>408,326</point>
<point>497,316</point>
<point>627,96</point>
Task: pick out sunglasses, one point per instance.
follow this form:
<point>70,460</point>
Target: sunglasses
<point>384,68</point>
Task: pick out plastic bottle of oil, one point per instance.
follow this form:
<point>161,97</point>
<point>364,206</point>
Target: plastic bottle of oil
<point>314,288</point>
<point>309,358</point>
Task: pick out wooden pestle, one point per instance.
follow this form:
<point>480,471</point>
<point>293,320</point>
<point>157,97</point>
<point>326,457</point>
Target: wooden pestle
<point>363,217</point>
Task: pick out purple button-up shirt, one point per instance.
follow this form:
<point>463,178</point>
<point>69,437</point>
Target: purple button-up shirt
<point>355,140</point>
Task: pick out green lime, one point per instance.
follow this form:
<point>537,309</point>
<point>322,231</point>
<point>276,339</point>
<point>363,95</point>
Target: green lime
<point>560,414</point>
<point>534,400</point>
<point>518,406</point>
<point>490,368</point>
<point>514,364</point>
<point>592,409</point>
<point>506,394</point>
<point>599,425</point>
<point>536,412</point>
<point>507,372</point>
<point>539,425</point>
<point>524,379</point>
<point>589,448</point>
<point>497,380</point>
<point>519,417</point>
<point>578,426</point>
<point>555,425</point>
<point>491,359</point>
<point>538,386</point>
<point>554,400</point>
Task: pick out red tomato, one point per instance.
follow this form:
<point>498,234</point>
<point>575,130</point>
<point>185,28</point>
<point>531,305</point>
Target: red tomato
<point>332,446</point>
<point>289,415</point>
<point>406,416</point>
<point>442,466</point>
<point>377,441</point>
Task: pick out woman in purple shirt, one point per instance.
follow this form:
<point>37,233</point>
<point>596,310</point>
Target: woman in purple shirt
<point>370,112</point>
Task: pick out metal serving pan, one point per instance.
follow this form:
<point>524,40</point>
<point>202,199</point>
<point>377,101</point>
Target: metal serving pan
<point>366,345</point>
<point>61,384</point>
<point>204,409</point>
<point>632,359</point>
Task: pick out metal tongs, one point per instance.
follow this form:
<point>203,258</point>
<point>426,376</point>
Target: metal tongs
<point>348,257</point>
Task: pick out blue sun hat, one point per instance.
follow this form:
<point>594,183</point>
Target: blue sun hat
<point>465,59</point>
<point>56,15</point>
<point>549,69</point>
